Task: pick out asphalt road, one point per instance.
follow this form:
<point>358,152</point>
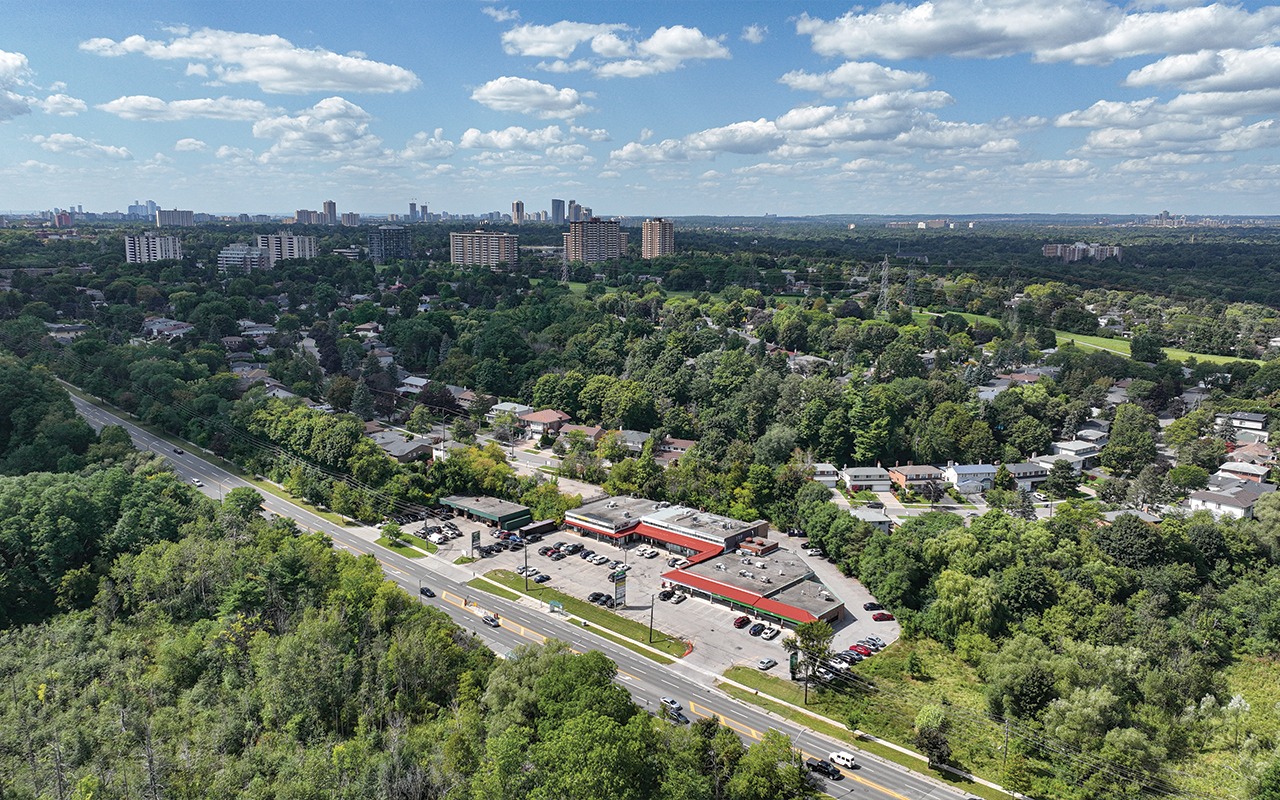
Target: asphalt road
<point>520,624</point>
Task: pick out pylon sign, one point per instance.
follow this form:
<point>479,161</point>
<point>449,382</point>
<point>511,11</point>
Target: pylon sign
<point>620,591</point>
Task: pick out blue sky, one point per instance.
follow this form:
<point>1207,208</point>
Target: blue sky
<point>644,108</point>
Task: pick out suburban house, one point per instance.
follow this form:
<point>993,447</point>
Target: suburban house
<point>499,409</point>
<point>1235,500</point>
<point>412,385</point>
<point>670,449</point>
<point>1243,471</point>
<point>593,433</point>
<point>1078,463</point>
<point>826,474</point>
<point>1253,453</point>
<point>872,479</point>
<point>403,448</point>
<point>1028,475</point>
<point>1111,516</point>
<point>970,478</point>
<point>914,475</point>
<point>1093,436</point>
<point>545,422</point>
<point>633,441</point>
<point>1249,427</point>
<point>368,329</point>
<point>873,517</point>
<point>1087,452</point>
<point>1192,398</point>
<point>162,328</point>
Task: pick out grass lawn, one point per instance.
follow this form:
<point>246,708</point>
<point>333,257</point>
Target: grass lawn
<point>743,674</point>
<point>485,586</point>
<point>594,614</point>
<point>419,542</point>
<point>889,708</point>
<point>465,560</point>
<point>407,552</point>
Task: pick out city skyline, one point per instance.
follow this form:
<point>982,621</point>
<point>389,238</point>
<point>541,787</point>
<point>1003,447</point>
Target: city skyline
<point>644,109</point>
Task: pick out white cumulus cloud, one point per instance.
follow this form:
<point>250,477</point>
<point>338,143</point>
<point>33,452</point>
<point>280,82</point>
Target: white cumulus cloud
<point>531,97</point>
<point>14,73</point>
<point>71,144</point>
<point>513,138</point>
<point>553,41</point>
<point>153,109</point>
<point>189,145</point>
<point>61,105</point>
<point>612,52</point>
<point>272,62</point>
<point>855,78</point>
<point>754,34</point>
<point>500,14</point>
<point>333,129</point>
<point>427,147</point>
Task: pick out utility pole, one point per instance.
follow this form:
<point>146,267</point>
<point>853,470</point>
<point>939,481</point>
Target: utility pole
<point>525,548</point>
<point>653,600</point>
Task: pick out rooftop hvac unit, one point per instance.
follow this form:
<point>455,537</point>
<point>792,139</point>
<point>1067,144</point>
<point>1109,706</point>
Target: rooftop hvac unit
<point>626,515</point>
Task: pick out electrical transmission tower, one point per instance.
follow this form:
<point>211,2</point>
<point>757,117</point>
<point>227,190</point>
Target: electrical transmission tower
<point>882,304</point>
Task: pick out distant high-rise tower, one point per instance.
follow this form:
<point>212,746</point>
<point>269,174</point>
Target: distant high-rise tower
<point>151,247</point>
<point>594,240</point>
<point>658,238</point>
<point>413,212</point>
<point>517,212</point>
<point>574,212</point>
<point>389,243</point>
<point>330,212</point>
<point>484,248</point>
<point>282,245</point>
<point>557,211</point>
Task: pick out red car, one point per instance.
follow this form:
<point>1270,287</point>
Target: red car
<point>742,622</point>
<point>861,650</point>
<point>882,616</point>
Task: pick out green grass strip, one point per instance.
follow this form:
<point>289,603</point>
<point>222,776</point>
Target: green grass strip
<point>419,542</point>
<point>595,615</point>
<point>772,689</point>
<point>407,552</point>
<point>486,586</point>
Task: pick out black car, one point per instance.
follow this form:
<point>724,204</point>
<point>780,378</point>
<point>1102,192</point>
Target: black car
<point>178,450</point>
<point>609,602</point>
<point>665,595</point>
<point>543,578</point>
<point>824,768</point>
<point>677,717</point>
<point>595,597</point>
<point>559,556</point>
<point>757,629</point>
<point>425,591</point>
<point>872,607</point>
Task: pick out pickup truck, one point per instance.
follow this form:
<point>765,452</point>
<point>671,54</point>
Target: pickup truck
<point>824,768</point>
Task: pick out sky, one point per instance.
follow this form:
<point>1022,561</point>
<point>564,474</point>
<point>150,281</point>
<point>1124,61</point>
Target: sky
<point>644,108</point>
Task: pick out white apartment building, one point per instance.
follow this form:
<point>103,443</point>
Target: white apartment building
<point>240,258</point>
<point>592,240</point>
<point>284,245</point>
<point>484,249</point>
<point>148,247</point>
<point>175,218</point>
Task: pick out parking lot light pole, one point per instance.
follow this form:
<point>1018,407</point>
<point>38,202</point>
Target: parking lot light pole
<point>653,600</point>
<point>525,548</point>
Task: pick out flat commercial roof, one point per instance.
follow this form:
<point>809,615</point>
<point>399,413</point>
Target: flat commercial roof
<point>793,593</point>
<point>486,507</point>
<point>610,515</point>
<point>702,523</point>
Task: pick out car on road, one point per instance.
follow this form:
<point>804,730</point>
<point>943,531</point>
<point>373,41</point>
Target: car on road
<point>882,616</point>
<point>824,768</point>
<point>678,599</point>
<point>491,621</point>
<point>843,758</point>
<point>670,704</point>
<point>757,629</point>
<point>425,591</point>
<point>770,633</point>
<point>742,622</point>
<point>872,607</point>
<point>198,482</point>
<point>766,663</point>
<point>179,451</point>
<point>542,579</point>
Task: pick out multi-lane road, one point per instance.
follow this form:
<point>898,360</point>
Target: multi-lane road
<point>521,624</point>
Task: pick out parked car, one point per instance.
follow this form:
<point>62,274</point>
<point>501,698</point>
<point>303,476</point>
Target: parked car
<point>651,554</point>
<point>542,578</point>
<point>531,571</point>
<point>425,591</point>
<point>742,622</point>
<point>878,641</point>
<point>824,768</point>
<point>595,597</point>
<point>770,633</point>
<point>872,607</point>
<point>491,621</point>
<point>585,554</point>
<point>849,657</point>
<point>757,629</point>
<point>678,599</point>
<point>823,674</point>
<point>766,663</point>
<point>875,504</point>
<point>544,551</point>
<point>860,649</point>
<point>882,616</point>
<point>665,595</point>
<point>609,602</point>
<point>843,758</point>
<point>560,556</point>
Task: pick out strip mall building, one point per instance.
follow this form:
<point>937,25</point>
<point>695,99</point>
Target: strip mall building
<point>765,580</point>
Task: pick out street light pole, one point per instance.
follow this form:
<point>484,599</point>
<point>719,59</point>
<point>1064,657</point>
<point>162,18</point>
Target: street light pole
<point>525,548</point>
<point>653,600</point>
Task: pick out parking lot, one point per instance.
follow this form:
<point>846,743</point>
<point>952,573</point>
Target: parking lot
<point>717,643</point>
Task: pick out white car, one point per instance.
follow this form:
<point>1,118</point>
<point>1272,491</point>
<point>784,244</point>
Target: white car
<point>671,704</point>
<point>197,482</point>
<point>843,758</point>
<point>770,633</point>
<point>766,663</point>
<point>530,572</point>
